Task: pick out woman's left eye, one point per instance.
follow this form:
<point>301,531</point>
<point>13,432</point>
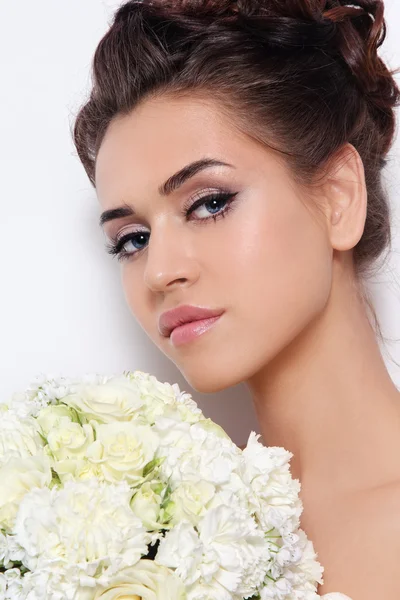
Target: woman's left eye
<point>118,247</point>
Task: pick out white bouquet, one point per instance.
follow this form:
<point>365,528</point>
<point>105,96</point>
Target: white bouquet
<point>118,487</point>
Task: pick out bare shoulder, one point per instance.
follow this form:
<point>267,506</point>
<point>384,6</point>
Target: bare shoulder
<point>360,548</point>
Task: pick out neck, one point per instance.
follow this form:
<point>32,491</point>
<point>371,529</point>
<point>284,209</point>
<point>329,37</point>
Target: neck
<point>328,399</point>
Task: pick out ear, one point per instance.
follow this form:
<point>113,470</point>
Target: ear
<point>346,199</point>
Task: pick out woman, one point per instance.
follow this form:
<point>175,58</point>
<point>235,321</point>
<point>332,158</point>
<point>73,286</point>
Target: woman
<point>236,149</point>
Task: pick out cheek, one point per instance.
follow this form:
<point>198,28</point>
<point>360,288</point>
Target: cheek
<point>132,283</point>
<point>279,275</point>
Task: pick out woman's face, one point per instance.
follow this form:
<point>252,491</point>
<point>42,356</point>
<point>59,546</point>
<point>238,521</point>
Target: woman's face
<point>259,252</point>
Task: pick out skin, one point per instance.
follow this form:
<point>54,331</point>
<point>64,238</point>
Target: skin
<point>295,328</point>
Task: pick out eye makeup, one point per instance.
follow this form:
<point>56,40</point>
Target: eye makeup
<point>222,197</point>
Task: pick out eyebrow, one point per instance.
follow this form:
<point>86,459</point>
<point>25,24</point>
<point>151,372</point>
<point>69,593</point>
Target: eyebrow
<point>172,184</point>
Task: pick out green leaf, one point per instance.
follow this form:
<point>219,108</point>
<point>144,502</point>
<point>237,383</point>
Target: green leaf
<point>152,465</point>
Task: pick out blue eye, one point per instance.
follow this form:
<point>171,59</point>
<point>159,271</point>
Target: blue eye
<point>138,238</point>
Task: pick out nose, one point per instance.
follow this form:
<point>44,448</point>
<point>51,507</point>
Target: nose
<point>170,260</point>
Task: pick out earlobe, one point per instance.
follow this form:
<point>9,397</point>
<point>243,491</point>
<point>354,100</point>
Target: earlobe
<point>347,196</point>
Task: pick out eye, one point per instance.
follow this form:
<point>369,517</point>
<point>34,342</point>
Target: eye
<point>138,238</point>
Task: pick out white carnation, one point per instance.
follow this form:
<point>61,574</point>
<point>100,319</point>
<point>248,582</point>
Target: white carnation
<point>18,476</point>
<point>227,554</point>
<point>11,585</point>
<point>294,570</point>
<point>164,399</point>
<point>79,535</point>
<point>191,453</point>
<point>19,437</point>
<point>42,391</point>
<point>273,493</point>
<point>10,550</point>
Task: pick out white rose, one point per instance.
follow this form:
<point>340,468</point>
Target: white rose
<point>19,476</point>
<point>50,417</point>
<point>79,469</point>
<point>209,426</point>
<point>190,500</point>
<point>145,581</point>
<point>146,504</point>
<point>69,440</point>
<point>122,450</point>
<point>19,437</point>
<point>68,443</point>
<point>335,596</point>
<point>107,402</point>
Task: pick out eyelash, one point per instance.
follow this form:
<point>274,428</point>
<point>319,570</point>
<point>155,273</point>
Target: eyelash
<point>115,248</point>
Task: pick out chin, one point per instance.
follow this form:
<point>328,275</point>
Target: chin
<point>209,382</point>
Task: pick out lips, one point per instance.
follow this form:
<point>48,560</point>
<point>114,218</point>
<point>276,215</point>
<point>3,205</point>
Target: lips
<point>184,314</point>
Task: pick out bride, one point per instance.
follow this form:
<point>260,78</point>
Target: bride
<point>236,149</point>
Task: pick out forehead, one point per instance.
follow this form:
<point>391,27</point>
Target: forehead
<point>142,149</point>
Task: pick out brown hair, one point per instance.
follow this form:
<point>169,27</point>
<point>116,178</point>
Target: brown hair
<point>301,76</point>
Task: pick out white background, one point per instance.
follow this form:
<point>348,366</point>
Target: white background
<point>62,308</point>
